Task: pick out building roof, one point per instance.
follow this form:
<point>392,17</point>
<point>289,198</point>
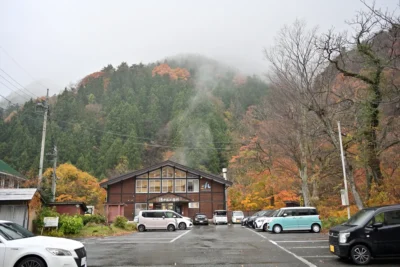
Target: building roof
<point>17,194</point>
<point>69,203</point>
<point>170,163</point>
<point>8,170</point>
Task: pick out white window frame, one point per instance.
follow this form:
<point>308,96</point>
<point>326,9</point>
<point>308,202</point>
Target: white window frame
<point>137,210</point>
<point>162,185</point>
<point>147,188</point>
<point>180,180</point>
<point>194,185</point>
<point>152,187</point>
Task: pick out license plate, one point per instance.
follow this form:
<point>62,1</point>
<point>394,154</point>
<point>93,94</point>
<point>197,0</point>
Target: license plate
<point>331,248</point>
<point>83,262</point>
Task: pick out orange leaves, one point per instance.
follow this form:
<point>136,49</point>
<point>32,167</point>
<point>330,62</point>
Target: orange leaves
<point>76,185</point>
<point>89,77</point>
<point>174,74</point>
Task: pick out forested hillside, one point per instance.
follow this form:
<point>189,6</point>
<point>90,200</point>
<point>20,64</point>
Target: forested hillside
<point>123,118</point>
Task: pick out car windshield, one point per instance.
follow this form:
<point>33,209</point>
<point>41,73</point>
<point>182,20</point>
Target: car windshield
<point>13,231</point>
<point>275,213</point>
<point>359,218</point>
<point>237,213</point>
<point>201,216</point>
<point>220,213</point>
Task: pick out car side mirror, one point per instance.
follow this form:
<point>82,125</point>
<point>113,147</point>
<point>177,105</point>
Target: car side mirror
<point>174,216</point>
<point>377,225</point>
<point>284,215</point>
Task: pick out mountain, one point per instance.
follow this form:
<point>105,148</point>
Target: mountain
<point>117,119</point>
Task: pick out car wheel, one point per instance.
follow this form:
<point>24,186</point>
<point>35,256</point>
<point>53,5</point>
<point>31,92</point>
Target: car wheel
<point>171,228</point>
<point>141,228</point>
<point>277,229</point>
<point>31,262</point>
<point>360,255</point>
<point>182,226</point>
<point>265,227</point>
<point>315,228</point>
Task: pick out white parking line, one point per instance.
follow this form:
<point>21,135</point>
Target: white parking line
<point>291,253</point>
<point>319,256</point>
<point>176,238</point>
<point>300,241</point>
<point>309,247</point>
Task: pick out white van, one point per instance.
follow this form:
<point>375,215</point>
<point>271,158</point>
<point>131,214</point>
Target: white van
<point>157,219</point>
<point>182,221</point>
<point>220,216</point>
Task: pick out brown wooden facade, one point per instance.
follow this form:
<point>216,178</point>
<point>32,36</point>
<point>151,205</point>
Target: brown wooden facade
<point>168,185</point>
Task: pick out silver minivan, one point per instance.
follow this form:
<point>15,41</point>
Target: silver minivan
<point>156,219</point>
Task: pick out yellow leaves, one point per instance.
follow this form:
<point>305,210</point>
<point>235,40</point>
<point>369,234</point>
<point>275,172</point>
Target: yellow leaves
<point>76,185</point>
<point>174,74</point>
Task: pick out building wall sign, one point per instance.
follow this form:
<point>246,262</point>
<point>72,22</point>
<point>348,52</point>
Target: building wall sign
<point>205,187</point>
<point>168,199</point>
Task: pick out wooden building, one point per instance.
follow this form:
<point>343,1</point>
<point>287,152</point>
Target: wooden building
<point>167,185</point>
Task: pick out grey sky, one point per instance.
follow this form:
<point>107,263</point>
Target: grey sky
<point>60,42</point>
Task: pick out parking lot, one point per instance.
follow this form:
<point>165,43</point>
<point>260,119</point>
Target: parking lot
<point>228,245</point>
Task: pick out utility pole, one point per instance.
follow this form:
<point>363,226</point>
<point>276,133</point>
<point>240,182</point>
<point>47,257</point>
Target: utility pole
<point>54,181</point>
<point>344,172</point>
<point>46,109</point>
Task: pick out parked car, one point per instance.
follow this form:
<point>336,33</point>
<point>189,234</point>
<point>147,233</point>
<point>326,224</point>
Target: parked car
<point>295,218</point>
<point>20,248</point>
<point>157,219</point>
<point>220,216</point>
<point>251,220</point>
<point>261,222</point>
<point>182,221</point>
<point>200,218</point>
<point>370,233</point>
<point>244,221</point>
<point>237,216</point>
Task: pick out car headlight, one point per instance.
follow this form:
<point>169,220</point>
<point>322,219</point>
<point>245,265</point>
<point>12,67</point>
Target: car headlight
<point>59,252</point>
<point>343,237</point>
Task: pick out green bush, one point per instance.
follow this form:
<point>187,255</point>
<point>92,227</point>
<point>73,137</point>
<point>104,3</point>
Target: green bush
<point>44,212</point>
<point>71,224</point>
<point>131,226</point>
<point>332,221</point>
<point>97,219</point>
<point>120,222</point>
<point>55,233</point>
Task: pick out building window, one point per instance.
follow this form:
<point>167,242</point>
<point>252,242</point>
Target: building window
<point>144,176</point>
<point>2,183</point>
<point>155,186</point>
<point>193,185</point>
<point>5,183</point>
<point>180,174</point>
<point>167,172</point>
<point>167,185</point>
<point>180,186</point>
<point>11,185</point>
<point>139,207</point>
<point>193,205</point>
<point>141,186</point>
<point>155,174</point>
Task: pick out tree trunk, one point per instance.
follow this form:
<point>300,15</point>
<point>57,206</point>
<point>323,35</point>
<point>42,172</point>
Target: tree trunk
<point>304,186</point>
<point>357,198</point>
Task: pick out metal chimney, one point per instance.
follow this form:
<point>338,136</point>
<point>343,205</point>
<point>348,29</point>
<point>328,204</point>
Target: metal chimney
<point>224,171</point>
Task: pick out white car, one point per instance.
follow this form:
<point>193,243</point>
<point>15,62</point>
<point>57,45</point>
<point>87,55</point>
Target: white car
<point>237,216</point>
<point>261,223</point>
<point>20,248</point>
<point>220,217</point>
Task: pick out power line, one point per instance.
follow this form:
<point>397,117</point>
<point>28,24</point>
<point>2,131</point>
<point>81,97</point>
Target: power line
<point>17,83</point>
<point>7,100</point>
<point>19,65</point>
<point>13,90</point>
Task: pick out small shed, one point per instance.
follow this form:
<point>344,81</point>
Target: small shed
<point>19,205</point>
<point>70,208</point>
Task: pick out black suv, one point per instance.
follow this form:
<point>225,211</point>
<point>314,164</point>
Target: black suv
<point>370,233</point>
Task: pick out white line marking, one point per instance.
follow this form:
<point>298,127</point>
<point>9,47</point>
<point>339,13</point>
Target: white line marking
<point>319,256</point>
<point>291,253</point>
<point>122,243</point>
<point>310,247</point>
<point>300,241</point>
<point>176,238</point>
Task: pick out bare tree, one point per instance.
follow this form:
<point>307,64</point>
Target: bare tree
<point>370,55</point>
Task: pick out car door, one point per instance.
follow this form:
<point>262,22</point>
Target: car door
<point>289,221</point>
<point>2,253</point>
<point>303,219</point>
<point>160,221</point>
<point>386,237</point>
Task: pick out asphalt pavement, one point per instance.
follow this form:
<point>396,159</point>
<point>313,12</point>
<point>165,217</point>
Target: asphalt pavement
<point>227,245</point>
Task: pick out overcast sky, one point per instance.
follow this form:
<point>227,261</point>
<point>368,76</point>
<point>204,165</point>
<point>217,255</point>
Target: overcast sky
<point>59,42</point>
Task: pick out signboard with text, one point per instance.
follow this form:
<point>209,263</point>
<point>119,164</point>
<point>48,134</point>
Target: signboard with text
<point>50,221</point>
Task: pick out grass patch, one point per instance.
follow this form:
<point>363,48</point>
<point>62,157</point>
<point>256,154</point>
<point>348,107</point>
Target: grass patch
<point>331,222</point>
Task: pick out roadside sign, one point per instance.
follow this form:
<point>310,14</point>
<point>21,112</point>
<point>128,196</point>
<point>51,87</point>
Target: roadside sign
<point>343,197</point>
<point>50,221</point>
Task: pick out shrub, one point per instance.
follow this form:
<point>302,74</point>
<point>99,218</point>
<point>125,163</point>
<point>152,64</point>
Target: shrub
<point>44,212</point>
<point>55,233</point>
<point>97,219</point>
<point>120,222</point>
<point>71,224</point>
<point>131,226</point>
<point>332,221</point>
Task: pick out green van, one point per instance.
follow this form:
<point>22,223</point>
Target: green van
<point>295,218</point>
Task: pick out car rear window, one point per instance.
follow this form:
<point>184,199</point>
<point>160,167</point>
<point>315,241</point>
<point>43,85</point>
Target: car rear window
<point>220,213</point>
<point>237,213</point>
<point>201,216</point>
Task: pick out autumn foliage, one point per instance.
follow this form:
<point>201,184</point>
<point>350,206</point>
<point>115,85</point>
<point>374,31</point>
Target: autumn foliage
<point>174,74</point>
<point>76,185</point>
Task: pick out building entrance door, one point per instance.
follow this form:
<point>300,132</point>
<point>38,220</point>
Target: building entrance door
<point>178,208</point>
